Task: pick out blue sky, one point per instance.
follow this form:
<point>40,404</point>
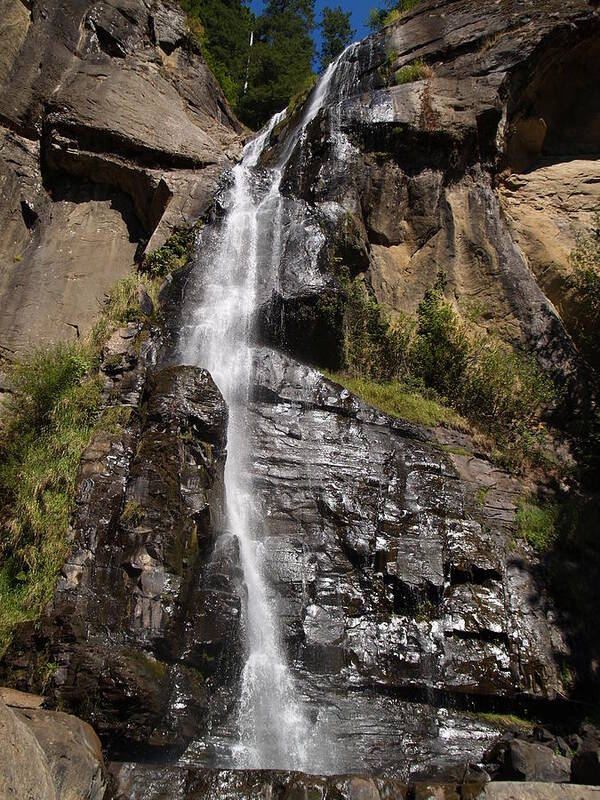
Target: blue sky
<point>358,8</point>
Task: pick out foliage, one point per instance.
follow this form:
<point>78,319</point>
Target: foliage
<point>537,524</point>
<point>221,29</point>
<point>390,13</point>
<point>46,426</point>
<point>585,261</point>
<point>172,255</point>
<point>275,67</point>
<point>404,366</point>
<point>281,60</point>
<point>53,410</point>
<point>372,346</point>
<point>415,71</point>
<point>337,33</point>
<point>505,720</point>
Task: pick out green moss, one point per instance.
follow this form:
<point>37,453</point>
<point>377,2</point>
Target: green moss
<point>114,418</point>
<point>416,71</point>
<point>295,104</point>
<point>481,495</point>
<point>537,524</point>
<point>506,720</point>
<point>157,670</point>
<point>133,514</point>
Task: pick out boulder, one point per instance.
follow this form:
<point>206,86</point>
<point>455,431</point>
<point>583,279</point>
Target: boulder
<point>530,761</point>
<point>24,768</point>
<point>585,767</point>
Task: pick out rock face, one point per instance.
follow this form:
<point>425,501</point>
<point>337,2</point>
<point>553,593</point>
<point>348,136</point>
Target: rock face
<point>142,617</point>
<point>47,755</point>
<point>407,607</point>
<point>479,170</point>
<point>87,172</point>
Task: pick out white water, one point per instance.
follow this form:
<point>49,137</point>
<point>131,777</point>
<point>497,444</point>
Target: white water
<point>273,729</point>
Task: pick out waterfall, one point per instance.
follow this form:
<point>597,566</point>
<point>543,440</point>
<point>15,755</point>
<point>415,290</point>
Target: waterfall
<point>273,729</point>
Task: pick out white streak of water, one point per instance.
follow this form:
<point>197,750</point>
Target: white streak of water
<point>273,729</point>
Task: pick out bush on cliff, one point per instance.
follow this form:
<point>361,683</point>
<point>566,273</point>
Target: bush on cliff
<point>52,411</point>
<point>444,360</point>
<point>585,262</point>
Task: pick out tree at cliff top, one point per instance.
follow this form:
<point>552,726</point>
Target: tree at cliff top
<point>257,80</point>
<point>281,59</point>
<point>337,33</point>
<point>390,12</point>
<point>222,28</point>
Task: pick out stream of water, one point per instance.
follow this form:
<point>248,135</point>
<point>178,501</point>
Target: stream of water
<point>274,731</point>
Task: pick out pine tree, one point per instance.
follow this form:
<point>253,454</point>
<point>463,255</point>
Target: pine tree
<point>281,61</point>
<point>337,33</point>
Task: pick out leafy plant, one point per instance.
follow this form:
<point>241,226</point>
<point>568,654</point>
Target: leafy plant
<point>172,255</point>
<point>585,262</point>
<point>537,524</point>
<point>416,71</point>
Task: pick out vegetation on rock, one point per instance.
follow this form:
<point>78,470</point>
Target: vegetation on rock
<point>259,80</point>
<point>415,71</point>
<point>585,261</point>
<point>391,12</point>
<point>54,408</point>
<point>448,363</point>
<point>52,411</point>
<point>172,255</point>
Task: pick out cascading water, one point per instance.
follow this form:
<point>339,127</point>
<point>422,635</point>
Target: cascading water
<point>273,730</point>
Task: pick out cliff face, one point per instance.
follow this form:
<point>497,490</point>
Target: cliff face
<point>408,607</point>
<point>112,132</point>
<point>484,169</point>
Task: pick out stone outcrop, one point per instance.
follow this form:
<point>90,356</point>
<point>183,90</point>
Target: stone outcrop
<point>151,783</point>
<point>112,132</point>
<point>142,617</point>
<point>48,754</point>
<point>484,169</point>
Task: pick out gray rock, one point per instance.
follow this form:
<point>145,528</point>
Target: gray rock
<point>144,301</point>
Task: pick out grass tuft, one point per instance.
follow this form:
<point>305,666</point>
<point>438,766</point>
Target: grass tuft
<point>537,524</point>
<point>416,71</point>
<point>398,400</point>
<point>48,423</point>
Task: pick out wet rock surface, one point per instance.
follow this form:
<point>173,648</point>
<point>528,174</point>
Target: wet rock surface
<point>145,613</point>
<point>154,783</point>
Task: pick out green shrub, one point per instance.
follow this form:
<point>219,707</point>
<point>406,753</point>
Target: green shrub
<point>537,524</point>
<point>45,428</point>
<point>399,400</point>
<point>416,71</point>
<point>441,347</point>
<point>407,365</point>
<point>172,255</point>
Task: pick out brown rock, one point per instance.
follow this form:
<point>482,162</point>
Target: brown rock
<point>24,768</point>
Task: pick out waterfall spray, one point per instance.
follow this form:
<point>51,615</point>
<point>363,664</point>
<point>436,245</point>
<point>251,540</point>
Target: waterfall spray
<point>273,730</point>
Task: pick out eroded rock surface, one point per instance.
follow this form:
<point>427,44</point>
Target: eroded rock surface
<point>418,174</point>
<point>112,132</point>
<point>48,754</point>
